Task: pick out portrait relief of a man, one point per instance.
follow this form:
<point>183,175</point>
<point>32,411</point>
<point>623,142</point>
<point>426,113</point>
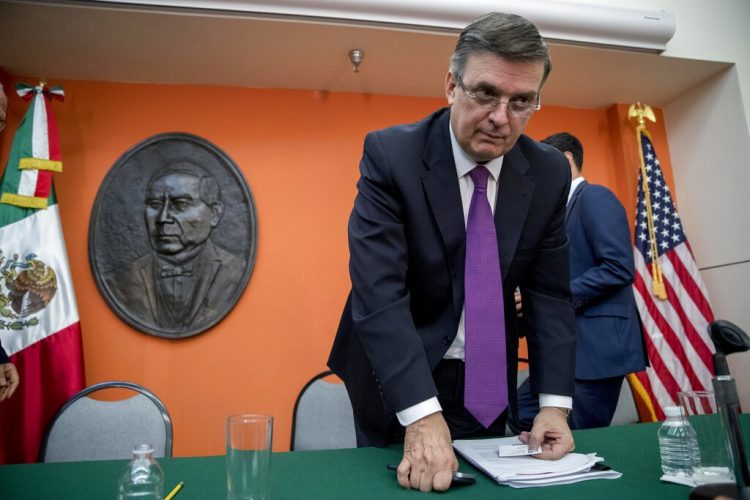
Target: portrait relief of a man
<point>183,280</point>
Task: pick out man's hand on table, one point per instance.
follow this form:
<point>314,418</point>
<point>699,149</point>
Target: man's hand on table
<point>429,460</point>
<point>550,431</point>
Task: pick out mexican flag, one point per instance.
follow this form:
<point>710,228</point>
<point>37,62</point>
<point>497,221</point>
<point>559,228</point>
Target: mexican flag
<point>39,324</point>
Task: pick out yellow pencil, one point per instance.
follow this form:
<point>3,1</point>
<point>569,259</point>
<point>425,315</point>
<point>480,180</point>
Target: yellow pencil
<point>174,491</point>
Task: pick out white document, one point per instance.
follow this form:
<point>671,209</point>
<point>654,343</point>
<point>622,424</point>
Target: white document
<point>527,471</point>
<point>572,478</point>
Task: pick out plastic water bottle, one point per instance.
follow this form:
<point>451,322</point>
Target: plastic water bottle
<point>143,479</point>
<point>678,444</point>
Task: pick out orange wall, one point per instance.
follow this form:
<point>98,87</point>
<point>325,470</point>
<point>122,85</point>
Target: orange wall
<point>299,152</point>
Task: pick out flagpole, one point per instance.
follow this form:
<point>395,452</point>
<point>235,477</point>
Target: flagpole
<point>640,112</point>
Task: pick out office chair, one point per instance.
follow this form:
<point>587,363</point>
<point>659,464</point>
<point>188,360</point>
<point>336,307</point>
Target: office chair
<point>88,429</point>
<point>322,417</point>
<point>626,411</point>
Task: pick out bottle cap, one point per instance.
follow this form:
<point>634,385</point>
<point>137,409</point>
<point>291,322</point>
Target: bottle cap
<point>673,411</point>
<point>143,449</point>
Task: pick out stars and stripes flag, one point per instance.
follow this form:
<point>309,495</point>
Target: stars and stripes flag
<point>669,292</point>
<point>39,323</point>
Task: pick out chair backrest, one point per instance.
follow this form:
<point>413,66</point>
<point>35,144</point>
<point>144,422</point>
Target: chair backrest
<point>522,376</point>
<point>626,412</point>
<point>323,418</point>
<point>88,429</point>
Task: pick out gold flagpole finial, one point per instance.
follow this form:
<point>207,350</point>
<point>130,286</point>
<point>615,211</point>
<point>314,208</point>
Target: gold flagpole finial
<point>640,111</point>
<point>43,82</point>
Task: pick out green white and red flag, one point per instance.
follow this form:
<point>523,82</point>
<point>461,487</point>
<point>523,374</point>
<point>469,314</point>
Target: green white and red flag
<point>39,324</point>
<point>30,184</point>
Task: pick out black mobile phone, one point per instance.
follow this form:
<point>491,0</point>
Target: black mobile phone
<point>459,478</point>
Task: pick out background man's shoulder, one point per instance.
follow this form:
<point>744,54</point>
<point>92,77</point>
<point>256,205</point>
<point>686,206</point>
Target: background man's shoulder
<point>599,193</point>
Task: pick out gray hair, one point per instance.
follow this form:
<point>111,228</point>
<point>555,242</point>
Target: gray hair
<point>210,192</point>
<point>508,36</point>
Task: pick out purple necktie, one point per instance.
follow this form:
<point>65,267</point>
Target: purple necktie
<point>486,387</point>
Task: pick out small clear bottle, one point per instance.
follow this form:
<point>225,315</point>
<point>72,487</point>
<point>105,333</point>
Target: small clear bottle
<point>678,444</point>
<point>143,478</point>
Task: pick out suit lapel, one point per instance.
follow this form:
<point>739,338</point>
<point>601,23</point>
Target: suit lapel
<point>574,198</point>
<point>440,184</point>
<point>512,207</point>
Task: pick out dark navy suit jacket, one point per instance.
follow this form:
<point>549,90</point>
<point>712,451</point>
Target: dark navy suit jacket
<point>602,271</point>
<point>407,249</point>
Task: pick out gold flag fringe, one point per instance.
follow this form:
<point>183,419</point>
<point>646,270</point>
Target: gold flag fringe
<point>641,112</point>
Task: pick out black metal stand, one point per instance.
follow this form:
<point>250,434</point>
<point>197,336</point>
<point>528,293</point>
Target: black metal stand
<point>728,338</point>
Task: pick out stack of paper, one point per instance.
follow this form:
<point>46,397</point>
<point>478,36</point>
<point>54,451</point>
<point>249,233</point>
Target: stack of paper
<point>527,471</point>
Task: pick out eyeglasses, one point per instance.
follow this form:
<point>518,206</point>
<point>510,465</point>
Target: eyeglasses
<point>521,106</point>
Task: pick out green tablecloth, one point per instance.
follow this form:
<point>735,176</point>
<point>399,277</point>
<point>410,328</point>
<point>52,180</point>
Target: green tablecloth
<point>357,474</point>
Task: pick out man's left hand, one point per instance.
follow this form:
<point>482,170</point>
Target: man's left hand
<point>550,431</point>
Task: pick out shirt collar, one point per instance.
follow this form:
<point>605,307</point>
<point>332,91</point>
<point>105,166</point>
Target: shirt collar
<point>573,185</point>
<point>464,163</point>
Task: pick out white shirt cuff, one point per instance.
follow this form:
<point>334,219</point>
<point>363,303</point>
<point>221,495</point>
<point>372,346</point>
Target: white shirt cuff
<point>420,410</point>
<point>555,400</point>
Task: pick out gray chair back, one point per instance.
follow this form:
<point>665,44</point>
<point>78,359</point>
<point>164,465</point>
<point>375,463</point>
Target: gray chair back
<point>626,412</point>
<point>88,429</point>
<point>323,418</point>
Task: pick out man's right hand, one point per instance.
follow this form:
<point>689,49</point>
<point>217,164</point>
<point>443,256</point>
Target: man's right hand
<point>429,460</point>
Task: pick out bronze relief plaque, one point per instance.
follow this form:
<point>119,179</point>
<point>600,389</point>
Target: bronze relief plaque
<point>173,235</point>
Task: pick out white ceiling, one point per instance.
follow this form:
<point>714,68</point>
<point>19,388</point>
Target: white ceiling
<point>80,41</point>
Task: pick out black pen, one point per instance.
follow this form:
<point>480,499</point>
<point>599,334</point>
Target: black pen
<point>458,477</point>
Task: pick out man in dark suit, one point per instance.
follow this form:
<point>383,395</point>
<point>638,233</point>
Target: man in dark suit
<point>400,345</point>
<point>610,341</point>
<point>184,282</point>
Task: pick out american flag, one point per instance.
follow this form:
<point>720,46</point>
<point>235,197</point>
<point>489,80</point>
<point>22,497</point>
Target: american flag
<point>677,340</point>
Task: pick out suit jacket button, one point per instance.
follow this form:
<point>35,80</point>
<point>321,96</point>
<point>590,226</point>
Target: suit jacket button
<point>447,340</point>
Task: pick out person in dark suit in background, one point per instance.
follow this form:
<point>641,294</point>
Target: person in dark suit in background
<point>8,373</point>
<point>610,340</point>
<point>400,343</point>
